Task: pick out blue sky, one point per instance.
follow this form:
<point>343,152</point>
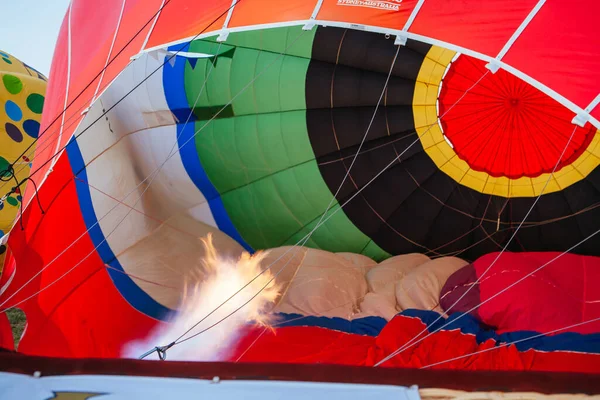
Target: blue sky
<point>29,29</point>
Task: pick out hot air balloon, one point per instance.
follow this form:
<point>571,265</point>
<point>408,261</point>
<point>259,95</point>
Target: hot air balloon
<point>418,179</point>
<point>22,98</point>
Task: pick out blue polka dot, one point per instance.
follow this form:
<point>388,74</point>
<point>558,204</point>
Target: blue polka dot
<point>13,111</point>
<point>4,55</point>
<point>20,198</point>
<point>1,233</point>
<point>32,128</point>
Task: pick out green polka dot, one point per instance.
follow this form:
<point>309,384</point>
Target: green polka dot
<point>35,102</point>
<point>3,166</point>
<point>12,84</point>
<point>12,201</point>
<point>6,60</point>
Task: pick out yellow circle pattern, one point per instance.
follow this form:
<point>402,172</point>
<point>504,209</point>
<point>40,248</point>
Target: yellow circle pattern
<point>432,139</point>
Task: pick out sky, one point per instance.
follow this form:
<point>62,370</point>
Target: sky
<point>29,30</point>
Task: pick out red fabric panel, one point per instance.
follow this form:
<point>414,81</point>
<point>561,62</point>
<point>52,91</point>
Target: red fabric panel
<point>302,345</point>
<point>53,106</point>
<point>561,294</point>
<point>90,43</point>
<point>181,19</point>
<point>332,10</point>
<point>318,345</point>
<point>559,48</point>
<point>6,337</point>
<point>92,33</point>
<point>483,26</point>
<point>504,126</point>
<point>138,15</point>
<point>82,314</point>
<point>596,112</point>
<point>267,12</point>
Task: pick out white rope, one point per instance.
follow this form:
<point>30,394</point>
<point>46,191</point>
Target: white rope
<point>410,342</point>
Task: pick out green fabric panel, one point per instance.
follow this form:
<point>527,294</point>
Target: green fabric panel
<point>251,147</point>
<point>297,41</point>
<point>237,66</point>
<point>338,234</point>
<point>258,154</point>
<point>284,207</point>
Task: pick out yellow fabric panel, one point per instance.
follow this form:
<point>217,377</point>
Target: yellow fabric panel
<point>540,181</point>
<point>453,169</point>
<point>22,91</point>
<point>420,97</point>
<point>585,165</point>
<point>567,176</point>
<point>474,179</point>
<point>521,187</point>
<point>443,155</point>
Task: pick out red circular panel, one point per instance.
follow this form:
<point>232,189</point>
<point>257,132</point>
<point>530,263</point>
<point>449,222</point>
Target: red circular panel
<point>504,126</point>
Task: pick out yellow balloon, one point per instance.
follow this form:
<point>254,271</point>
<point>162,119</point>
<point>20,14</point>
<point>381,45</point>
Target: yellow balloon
<point>22,93</point>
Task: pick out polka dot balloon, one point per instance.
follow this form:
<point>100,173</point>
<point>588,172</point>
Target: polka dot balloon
<point>22,95</point>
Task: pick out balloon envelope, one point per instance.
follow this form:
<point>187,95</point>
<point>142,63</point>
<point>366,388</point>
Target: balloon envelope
<point>263,131</point>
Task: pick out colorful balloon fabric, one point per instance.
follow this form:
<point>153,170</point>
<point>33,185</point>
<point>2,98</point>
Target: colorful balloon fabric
<point>317,306</point>
<point>244,121</point>
<point>22,92</point>
<point>560,294</point>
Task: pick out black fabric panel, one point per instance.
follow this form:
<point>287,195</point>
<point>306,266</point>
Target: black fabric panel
<point>348,125</point>
<point>368,51</point>
<point>413,206</point>
<point>353,87</point>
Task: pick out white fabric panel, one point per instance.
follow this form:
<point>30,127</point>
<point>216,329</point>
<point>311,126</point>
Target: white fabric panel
<point>383,278</point>
<point>123,150</point>
<point>420,289</point>
<point>350,286</point>
<point>316,282</point>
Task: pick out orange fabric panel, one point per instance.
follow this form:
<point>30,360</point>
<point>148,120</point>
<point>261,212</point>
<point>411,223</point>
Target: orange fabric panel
<point>483,26</point>
<point>181,19</point>
<point>391,14</point>
<point>268,11</point>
